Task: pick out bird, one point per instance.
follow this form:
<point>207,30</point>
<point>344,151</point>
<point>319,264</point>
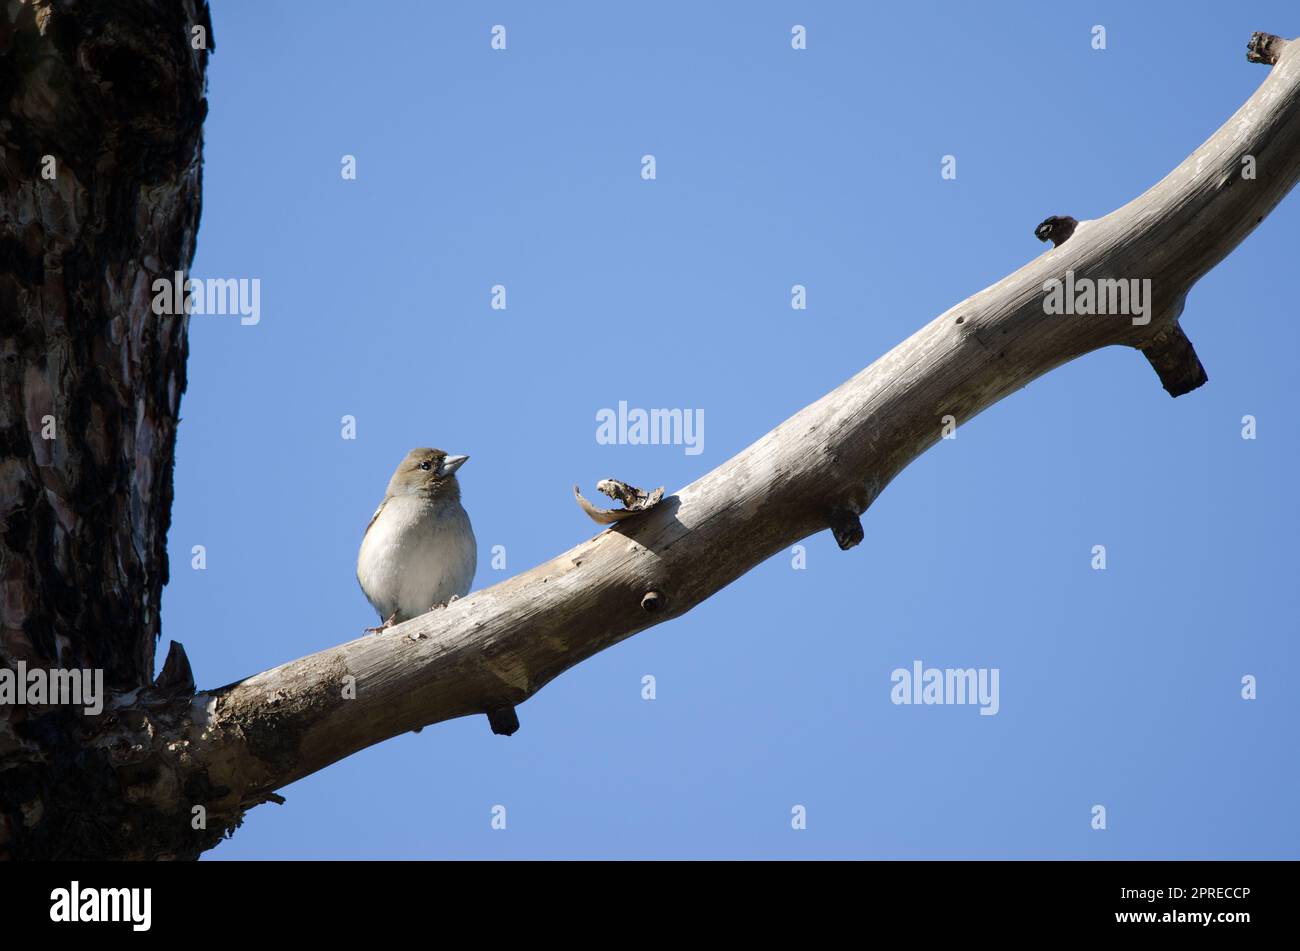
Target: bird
<point>418,552</point>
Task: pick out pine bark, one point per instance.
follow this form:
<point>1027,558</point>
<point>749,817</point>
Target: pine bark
<point>101,110</point>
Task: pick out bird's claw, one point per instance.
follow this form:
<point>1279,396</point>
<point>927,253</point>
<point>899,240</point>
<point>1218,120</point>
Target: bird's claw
<point>392,619</point>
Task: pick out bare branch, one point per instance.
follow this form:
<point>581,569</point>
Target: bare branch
<point>820,469</point>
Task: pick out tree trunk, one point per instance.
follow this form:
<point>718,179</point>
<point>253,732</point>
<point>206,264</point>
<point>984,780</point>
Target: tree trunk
<point>100,160</point>
<point>129,783</point>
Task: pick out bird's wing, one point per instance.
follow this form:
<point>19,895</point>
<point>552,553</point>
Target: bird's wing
<point>371,523</point>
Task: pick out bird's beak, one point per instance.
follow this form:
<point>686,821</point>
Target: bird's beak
<point>450,465</point>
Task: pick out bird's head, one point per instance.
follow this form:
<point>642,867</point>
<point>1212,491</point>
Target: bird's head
<point>430,473</point>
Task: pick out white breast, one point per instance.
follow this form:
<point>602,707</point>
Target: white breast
<point>415,556</point>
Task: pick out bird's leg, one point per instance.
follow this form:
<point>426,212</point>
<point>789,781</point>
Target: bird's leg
<point>392,619</point>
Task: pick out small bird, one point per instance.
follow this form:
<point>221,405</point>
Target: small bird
<point>418,552</point>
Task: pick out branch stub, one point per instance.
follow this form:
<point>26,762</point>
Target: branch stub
<point>503,720</point>
<point>1265,48</point>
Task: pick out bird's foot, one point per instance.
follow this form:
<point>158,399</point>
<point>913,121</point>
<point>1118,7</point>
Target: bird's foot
<point>454,597</point>
<point>392,619</point>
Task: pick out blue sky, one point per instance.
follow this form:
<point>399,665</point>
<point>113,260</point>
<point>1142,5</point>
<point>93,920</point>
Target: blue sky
<point>774,167</point>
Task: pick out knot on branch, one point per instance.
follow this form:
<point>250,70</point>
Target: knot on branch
<point>1056,229</point>
<point>653,602</point>
<point>1265,48</point>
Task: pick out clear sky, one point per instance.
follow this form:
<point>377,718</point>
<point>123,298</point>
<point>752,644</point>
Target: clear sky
<point>774,167</point>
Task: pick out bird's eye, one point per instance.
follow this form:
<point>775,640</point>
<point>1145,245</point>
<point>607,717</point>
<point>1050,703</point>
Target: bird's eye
<point>426,465</point>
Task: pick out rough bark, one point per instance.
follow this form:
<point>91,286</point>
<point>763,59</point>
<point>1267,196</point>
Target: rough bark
<point>107,97</point>
<point>228,749</point>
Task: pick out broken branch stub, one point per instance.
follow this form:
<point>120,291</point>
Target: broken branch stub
<point>1056,229</point>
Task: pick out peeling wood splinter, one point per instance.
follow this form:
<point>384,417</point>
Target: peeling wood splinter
<point>635,501</point>
<point>176,677</point>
